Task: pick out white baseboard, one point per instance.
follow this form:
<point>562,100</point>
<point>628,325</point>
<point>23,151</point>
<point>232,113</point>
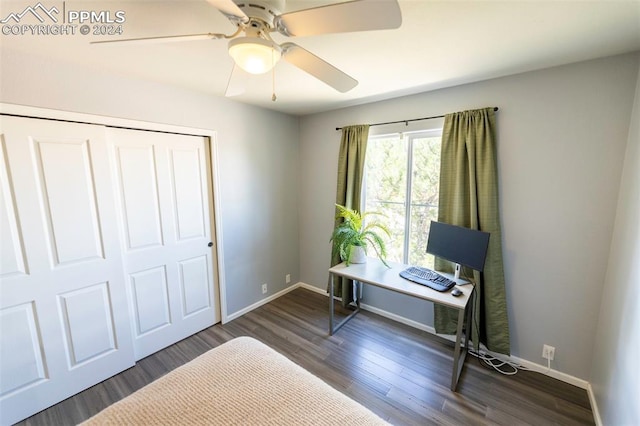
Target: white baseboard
<point>312,288</point>
<point>564,377</point>
<point>567,378</point>
<point>259,303</point>
<point>594,406</point>
<point>400,319</point>
<point>375,310</point>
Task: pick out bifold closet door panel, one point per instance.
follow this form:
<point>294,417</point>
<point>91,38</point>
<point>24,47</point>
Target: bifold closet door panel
<point>64,319</point>
<point>164,199</point>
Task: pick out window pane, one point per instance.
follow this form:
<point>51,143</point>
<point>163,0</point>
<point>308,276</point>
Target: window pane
<point>424,197</point>
<point>386,186</point>
<point>426,171</point>
<point>393,219</point>
<point>421,218</point>
<point>386,169</point>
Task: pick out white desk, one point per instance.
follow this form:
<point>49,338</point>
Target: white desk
<point>375,273</point>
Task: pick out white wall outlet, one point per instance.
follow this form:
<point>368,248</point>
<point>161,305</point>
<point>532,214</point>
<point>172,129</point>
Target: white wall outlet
<point>548,352</point>
<point>287,279</point>
<point>264,288</point>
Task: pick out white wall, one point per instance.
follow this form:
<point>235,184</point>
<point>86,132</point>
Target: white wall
<point>562,134</point>
<point>257,153</point>
<point>615,377</point>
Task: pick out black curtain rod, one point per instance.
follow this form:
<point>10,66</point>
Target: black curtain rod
<point>406,122</point>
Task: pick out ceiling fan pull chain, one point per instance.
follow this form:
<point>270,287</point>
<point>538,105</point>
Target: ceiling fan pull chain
<point>273,80</point>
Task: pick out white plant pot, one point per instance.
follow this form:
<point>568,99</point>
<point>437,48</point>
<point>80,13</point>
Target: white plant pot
<point>358,255</point>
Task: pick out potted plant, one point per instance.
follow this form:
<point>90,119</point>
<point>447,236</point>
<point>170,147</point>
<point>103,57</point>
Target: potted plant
<point>352,237</point>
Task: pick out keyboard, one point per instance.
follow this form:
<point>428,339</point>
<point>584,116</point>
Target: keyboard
<point>428,278</point>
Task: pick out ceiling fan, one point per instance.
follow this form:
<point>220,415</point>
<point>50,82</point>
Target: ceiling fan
<point>253,49</point>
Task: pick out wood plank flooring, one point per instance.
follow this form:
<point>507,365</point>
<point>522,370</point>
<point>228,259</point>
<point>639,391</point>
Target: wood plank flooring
<point>400,373</point>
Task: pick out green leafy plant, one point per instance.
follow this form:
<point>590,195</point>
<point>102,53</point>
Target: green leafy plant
<point>360,231</point>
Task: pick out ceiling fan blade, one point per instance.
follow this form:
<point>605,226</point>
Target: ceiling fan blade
<point>317,67</point>
<point>230,10</point>
<point>359,15</point>
<point>163,39</point>
<point>235,84</point>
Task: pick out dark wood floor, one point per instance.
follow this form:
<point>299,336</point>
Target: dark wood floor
<point>400,373</point>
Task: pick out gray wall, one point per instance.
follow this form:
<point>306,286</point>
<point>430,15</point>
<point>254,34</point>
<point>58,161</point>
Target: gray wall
<point>614,375</point>
<point>258,150</point>
<point>562,134</point>
<point>562,138</point>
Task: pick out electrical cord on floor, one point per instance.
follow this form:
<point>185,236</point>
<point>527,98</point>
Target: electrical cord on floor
<point>507,368</point>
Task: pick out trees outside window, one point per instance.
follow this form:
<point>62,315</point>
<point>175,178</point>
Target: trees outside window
<point>401,182</point>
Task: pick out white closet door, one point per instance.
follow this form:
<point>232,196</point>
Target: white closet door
<point>64,322</point>
<point>165,207</point>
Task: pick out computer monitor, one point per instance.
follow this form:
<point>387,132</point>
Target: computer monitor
<point>462,246</point>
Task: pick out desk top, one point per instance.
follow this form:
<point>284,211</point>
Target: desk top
<point>375,273</point>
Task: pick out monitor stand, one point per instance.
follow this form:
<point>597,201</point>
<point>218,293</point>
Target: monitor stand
<point>457,278</point>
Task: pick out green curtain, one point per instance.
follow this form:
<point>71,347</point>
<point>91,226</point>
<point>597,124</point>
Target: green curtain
<point>353,148</point>
<point>469,197</point>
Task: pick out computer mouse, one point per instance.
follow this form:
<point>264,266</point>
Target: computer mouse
<point>456,292</point>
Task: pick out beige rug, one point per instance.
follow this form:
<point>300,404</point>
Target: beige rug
<point>242,382</point>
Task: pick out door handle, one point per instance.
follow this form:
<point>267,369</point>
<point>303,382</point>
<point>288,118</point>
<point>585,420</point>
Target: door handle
<point>210,244</point>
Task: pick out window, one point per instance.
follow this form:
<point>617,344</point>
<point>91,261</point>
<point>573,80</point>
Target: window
<point>401,182</point>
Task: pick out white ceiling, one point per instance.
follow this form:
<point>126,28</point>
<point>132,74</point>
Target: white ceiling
<point>440,44</point>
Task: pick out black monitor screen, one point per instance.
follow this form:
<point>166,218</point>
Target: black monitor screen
<point>465,246</point>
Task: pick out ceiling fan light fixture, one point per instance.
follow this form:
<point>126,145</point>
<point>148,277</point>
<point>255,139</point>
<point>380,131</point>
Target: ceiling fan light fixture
<point>254,55</point>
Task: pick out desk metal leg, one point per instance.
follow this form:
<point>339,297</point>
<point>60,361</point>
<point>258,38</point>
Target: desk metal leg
<point>468,330</point>
<point>331,304</point>
<point>333,329</point>
<point>457,362</point>
<point>460,350</point>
